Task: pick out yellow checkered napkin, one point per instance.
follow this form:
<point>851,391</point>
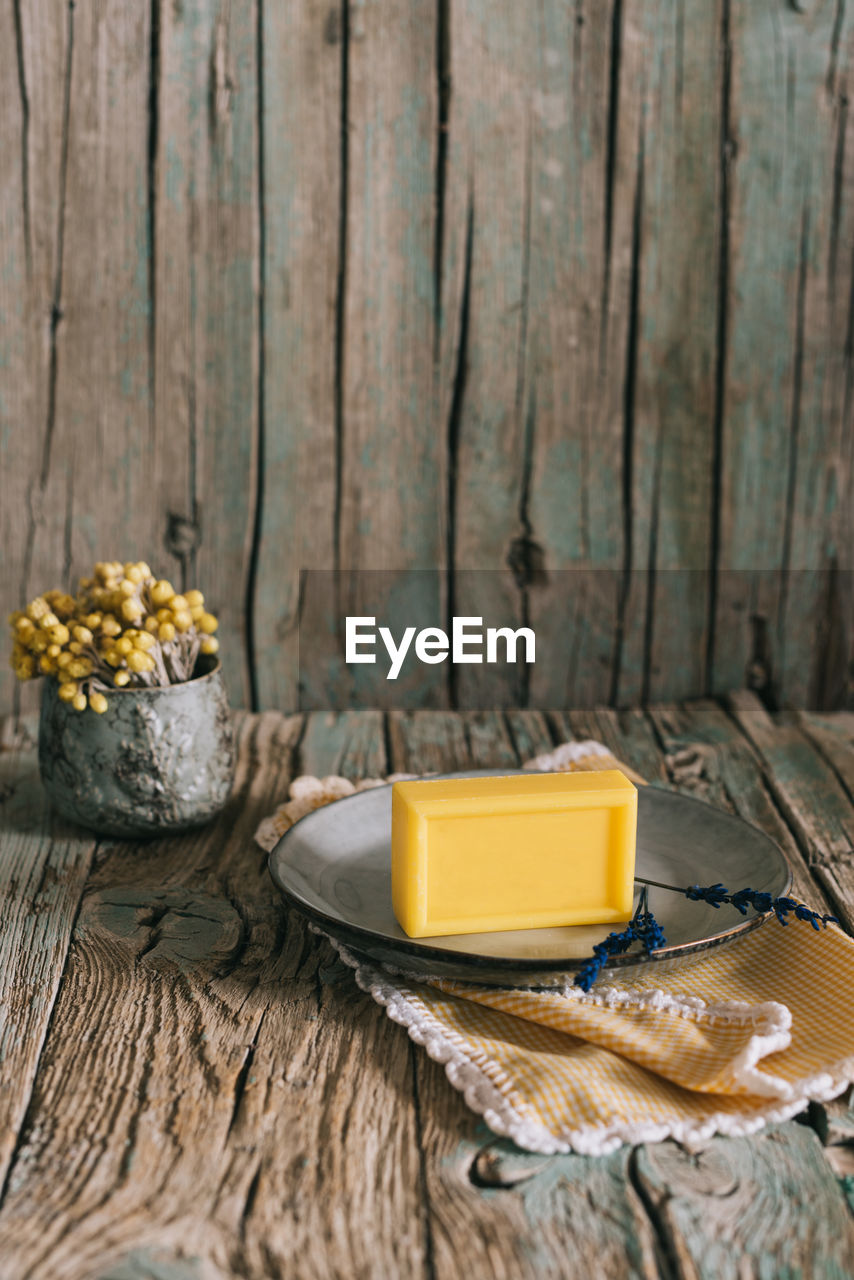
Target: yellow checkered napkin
<point>746,1035</point>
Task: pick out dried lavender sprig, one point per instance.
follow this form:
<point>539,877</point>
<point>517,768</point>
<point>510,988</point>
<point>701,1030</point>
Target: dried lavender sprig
<point>717,895</point>
<point>643,928</point>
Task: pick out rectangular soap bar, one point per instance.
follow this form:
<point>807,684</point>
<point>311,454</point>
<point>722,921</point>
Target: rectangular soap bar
<point>473,855</point>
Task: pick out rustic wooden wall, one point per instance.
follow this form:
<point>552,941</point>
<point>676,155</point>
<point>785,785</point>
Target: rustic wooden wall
<point>397,284</point>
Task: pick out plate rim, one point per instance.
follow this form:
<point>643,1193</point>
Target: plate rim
<point>445,956</point>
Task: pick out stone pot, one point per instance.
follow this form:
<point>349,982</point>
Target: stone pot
<point>157,760</point>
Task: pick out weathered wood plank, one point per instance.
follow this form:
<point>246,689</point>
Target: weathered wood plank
<point>191,989</point>
<point>389,508</point>
<point>348,743</point>
<point>833,735</point>
<point>811,797</point>
<point>427,742</point>
<point>785,449</point>
<point>525,271</point>
<point>670,396</point>
<point>727,1210</point>
<point>304,49</point>
<point>489,741</point>
<point>708,756</point>
<point>698,1233</point>
<point>35,52</point>
<point>203,206</point>
<point>816,638</point>
<point>540,1222</point>
<point>97,486</point>
<point>530,732</point>
<point>484,277</point>
<point>186,969</point>
<point>43,869</point>
<point>571,389</point>
<point>558,377</point>
<point>626,733</point>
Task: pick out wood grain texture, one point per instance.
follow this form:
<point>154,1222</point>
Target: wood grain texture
<point>98,466</point>
<point>42,875</point>
<point>627,733</point>
<point>670,114</point>
<point>348,743</point>
<point>35,52</point>
<point>304,51</point>
<point>834,738</point>
<point>215,1099</point>
<point>506,1214</point>
<point>390,456</point>
<point>542,317</point>
<point>530,443</point>
<point>742,1183</point>
<point>708,756</point>
<point>786,437</point>
<point>203,194</point>
<point>484,274</point>
<point>811,796</point>
<point>217,1017</point>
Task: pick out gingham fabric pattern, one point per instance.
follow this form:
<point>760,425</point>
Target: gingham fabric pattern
<point>743,1036</point>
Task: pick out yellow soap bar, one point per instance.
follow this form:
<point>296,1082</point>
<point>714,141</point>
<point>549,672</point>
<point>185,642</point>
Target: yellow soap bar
<point>473,855</point>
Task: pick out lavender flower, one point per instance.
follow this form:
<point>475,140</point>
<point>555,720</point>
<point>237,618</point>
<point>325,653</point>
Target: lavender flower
<point>643,928</point>
<point>717,895</point>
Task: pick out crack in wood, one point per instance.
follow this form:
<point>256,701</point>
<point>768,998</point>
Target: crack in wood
<point>679,75</point>
<point>258,489</point>
<point>220,80</point>
<point>153,141</point>
<point>25,136</point>
<point>525,557</point>
<point>611,148</point>
<point>452,438</point>
<point>525,546</point>
<point>725,158</point>
<point>341,289</point>
<point>443,88</point>
<point>836,200</point>
<point>249,1202</point>
<point>387,744</point>
<point>836,35</point>
<point>629,389</point>
<point>241,1082</point>
<point>68,529</point>
<point>665,1253</point>
<point>296,750</point>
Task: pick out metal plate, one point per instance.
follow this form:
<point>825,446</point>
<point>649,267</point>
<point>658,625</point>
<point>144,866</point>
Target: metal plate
<point>335,866</point>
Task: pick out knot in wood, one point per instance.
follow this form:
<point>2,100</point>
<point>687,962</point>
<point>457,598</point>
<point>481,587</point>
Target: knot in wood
<point>166,927</point>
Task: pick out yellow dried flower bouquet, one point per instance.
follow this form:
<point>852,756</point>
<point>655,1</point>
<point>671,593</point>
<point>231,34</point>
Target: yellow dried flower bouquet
<point>124,629</point>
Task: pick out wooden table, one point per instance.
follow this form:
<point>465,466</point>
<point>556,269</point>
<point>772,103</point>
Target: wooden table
<point>193,1086</point>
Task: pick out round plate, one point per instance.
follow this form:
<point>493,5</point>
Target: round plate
<point>334,865</point>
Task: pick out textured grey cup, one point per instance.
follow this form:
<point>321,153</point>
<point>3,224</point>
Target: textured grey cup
<point>157,760</point>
